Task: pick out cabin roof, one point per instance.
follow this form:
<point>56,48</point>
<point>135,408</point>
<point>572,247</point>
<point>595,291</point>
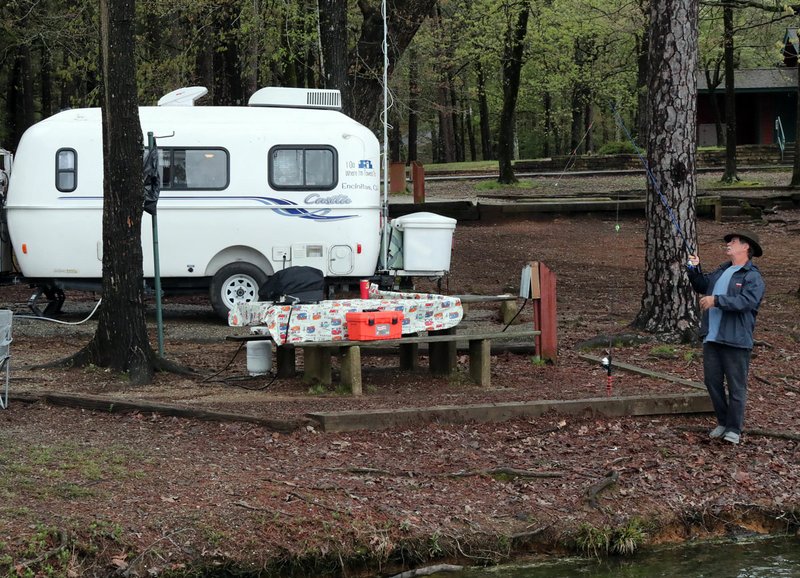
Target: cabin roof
<point>778,79</point>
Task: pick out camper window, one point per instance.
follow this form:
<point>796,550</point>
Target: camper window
<point>193,169</point>
<point>302,167</point>
<point>66,170</point>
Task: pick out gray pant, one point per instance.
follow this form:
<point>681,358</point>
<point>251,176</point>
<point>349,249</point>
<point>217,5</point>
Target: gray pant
<point>723,364</point>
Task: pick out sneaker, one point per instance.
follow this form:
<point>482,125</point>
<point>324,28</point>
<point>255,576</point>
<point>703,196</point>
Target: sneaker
<point>731,437</point>
<point>717,432</point>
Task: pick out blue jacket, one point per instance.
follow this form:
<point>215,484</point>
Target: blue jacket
<point>739,304</point>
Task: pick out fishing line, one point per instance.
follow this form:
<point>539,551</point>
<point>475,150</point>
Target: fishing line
<point>652,179</point>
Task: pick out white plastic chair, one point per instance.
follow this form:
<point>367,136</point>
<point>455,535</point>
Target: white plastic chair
<point>5,354</point>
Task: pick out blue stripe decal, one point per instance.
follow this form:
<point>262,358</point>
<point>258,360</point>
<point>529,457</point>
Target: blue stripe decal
<point>283,207</point>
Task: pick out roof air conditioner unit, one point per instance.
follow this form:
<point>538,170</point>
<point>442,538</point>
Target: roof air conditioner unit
<point>297,98</point>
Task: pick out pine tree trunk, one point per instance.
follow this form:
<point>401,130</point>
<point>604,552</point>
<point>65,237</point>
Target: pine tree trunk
<point>333,38</point>
<point>668,304</point>
<point>121,341</point>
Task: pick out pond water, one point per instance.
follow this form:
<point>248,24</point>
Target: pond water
<point>757,558</point>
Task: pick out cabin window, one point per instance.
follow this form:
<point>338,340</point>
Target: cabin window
<point>302,167</point>
<point>66,170</point>
<point>192,169</point>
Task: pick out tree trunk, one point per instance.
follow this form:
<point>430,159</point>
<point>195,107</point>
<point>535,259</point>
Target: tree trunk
<point>366,59</point>
<point>713,80</point>
<point>483,110</point>
<point>413,106</point>
<point>577,121</point>
<point>120,341</point>
<point>548,125</point>
<point>46,82</point>
<point>468,120</point>
<point>512,66</point>
<point>334,59</point>
<point>228,88</point>
<point>254,48</point>
<point>587,127</point>
<point>578,101</point>
<point>395,138</point>
<point>20,103</point>
<point>668,304</point>
<point>447,135</point>
<point>641,89</point>
<point>456,116</point>
<point>730,175</point>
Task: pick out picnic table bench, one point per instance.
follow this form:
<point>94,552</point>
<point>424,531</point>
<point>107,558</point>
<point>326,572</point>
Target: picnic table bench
<point>441,351</point>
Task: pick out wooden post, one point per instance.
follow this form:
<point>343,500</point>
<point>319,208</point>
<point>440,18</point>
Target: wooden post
<point>409,356</point>
<point>351,369</point>
<point>543,293</point>
<point>317,365</point>
<point>418,180</point>
<point>480,356</point>
<point>442,356</point>
<point>286,358</point>
<point>397,178</point>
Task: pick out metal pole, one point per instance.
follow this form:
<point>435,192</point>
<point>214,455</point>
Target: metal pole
<point>385,164</point>
<point>156,264</point>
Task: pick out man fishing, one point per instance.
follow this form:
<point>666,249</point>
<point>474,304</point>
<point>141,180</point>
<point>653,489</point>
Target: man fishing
<point>731,296</point>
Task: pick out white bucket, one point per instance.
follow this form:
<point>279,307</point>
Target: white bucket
<point>259,357</point>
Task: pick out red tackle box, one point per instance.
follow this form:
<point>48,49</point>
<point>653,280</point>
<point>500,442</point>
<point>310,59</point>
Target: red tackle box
<point>370,325</point>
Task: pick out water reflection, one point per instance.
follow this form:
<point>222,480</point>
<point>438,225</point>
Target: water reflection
<point>762,558</point>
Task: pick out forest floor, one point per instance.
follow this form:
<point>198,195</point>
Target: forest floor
<point>91,493</point>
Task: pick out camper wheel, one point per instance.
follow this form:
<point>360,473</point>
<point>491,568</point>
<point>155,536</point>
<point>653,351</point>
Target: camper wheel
<point>235,282</point>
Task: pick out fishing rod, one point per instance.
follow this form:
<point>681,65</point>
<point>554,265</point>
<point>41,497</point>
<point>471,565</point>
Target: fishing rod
<point>652,179</point>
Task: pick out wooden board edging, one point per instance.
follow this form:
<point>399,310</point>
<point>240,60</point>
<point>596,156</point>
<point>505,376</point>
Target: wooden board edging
<point>106,404</point>
<point>481,413</point>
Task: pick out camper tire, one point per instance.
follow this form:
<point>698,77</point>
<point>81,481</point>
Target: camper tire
<point>235,282</point>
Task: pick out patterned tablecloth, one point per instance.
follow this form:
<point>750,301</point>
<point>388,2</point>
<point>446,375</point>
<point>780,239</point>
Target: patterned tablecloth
<point>325,321</point>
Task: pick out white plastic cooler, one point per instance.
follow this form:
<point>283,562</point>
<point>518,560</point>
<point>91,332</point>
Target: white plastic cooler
<point>427,241</point>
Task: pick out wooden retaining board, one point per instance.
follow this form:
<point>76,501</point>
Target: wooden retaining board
<point>482,413</point>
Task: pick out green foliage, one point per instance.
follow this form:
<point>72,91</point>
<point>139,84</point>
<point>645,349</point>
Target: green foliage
<point>628,538</point>
<point>617,147</point>
<point>592,541</point>
<point>599,542</point>
<point>492,185</point>
<point>664,351</point>
<point>318,389</point>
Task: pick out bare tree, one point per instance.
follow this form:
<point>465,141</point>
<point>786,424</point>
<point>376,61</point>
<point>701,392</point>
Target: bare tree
<point>668,305</point>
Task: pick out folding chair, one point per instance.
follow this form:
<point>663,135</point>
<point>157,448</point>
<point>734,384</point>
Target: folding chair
<point>5,354</point>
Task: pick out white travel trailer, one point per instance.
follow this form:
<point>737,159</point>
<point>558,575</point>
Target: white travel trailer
<point>246,191</point>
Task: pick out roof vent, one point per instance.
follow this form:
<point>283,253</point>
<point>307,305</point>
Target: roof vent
<point>185,96</point>
<point>297,98</point>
